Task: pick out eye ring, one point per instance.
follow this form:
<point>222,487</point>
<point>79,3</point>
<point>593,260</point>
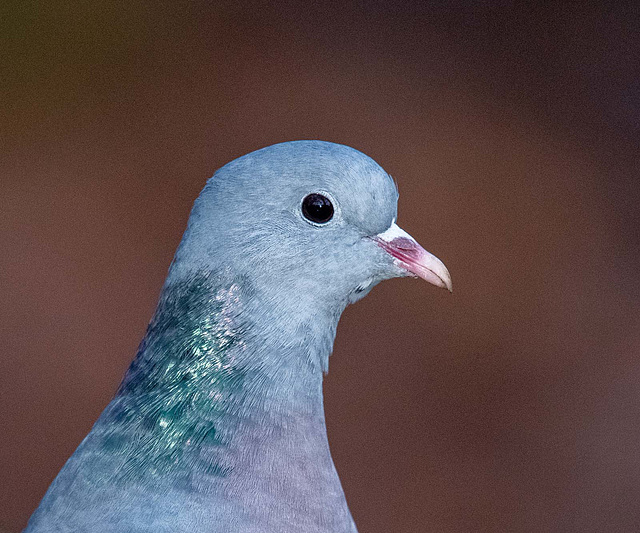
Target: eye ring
<point>317,208</point>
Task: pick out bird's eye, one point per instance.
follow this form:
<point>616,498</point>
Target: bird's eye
<point>317,208</point>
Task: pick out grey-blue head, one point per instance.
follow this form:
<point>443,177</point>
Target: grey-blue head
<point>250,219</point>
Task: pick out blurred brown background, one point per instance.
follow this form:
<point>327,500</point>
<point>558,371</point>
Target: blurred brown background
<point>514,135</point>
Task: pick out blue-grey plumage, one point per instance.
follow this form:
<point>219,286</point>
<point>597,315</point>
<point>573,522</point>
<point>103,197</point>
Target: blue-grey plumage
<point>218,425</point>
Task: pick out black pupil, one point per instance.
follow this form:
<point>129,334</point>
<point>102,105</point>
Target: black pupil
<point>317,208</point>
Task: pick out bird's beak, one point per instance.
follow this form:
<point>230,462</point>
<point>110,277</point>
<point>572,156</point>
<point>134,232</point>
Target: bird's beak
<point>412,257</point>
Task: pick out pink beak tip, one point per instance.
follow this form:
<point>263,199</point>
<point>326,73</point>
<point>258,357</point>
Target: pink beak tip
<point>415,259</point>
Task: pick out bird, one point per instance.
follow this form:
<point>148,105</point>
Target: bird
<point>218,425</point>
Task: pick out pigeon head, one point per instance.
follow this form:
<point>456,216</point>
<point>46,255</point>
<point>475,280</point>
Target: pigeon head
<point>312,222</point>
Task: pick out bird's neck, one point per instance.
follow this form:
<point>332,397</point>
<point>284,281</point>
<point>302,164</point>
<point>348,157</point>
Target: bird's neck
<point>222,390</point>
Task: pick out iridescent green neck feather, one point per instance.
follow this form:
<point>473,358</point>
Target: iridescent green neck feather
<point>177,400</point>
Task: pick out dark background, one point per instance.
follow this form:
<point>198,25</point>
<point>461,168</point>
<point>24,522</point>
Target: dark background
<point>513,131</point>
